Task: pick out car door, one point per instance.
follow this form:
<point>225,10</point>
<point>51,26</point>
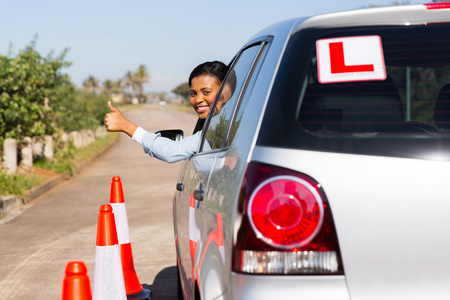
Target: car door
<point>200,214</point>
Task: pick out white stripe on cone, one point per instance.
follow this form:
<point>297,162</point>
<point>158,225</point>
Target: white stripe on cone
<point>108,275</point>
<point>120,216</point>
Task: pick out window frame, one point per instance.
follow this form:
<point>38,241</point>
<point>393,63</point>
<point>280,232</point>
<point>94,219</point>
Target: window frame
<point>264,43</point>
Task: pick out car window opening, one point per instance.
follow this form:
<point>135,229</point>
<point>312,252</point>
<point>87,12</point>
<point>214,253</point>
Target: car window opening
<point>412,100</point>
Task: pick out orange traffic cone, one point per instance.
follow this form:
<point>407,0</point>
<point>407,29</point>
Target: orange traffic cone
<point>133,288</point>
<point>76,284</point>
<point>108,275</point>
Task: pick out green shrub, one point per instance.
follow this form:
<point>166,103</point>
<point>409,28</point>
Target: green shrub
<point>30,86</point>
<point>81,110</point>
<point>17,184</point>
<point>37,98</point>
<point>64,159</point>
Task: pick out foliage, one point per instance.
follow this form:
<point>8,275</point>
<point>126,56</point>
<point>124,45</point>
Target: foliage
<point>184,91</point>
<point>216,136</point>
<point>30,87</point>
<point>36,99</point>
<point>81,110</point>
<point>67,155</point>
<point>16,184</point>
<point>64,160</point>
<point>130,86</point>
<point>162,96</point>
<point>91,84</point>
<point>96,147</point>
<point>141,77</point>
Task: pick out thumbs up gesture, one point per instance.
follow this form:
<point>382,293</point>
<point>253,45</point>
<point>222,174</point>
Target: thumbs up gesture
<point>115,121</point>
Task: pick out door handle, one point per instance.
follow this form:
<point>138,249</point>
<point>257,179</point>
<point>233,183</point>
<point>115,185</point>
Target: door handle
<point>198,194</point>
<point>180,186</point>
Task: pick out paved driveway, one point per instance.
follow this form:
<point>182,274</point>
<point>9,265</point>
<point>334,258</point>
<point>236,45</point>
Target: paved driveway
<point>61,225</point>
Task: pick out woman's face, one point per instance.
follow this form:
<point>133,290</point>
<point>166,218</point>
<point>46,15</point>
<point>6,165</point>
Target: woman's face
<point>204,89</point>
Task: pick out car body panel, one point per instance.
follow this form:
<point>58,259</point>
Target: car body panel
<point>290,287</point>
<point>405,209</point>
<point>390,213</point>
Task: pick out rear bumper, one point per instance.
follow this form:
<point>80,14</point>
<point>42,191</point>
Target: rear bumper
<point>288,287</point>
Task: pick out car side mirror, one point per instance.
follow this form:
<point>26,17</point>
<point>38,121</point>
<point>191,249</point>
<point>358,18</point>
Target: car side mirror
<point>173,134</point>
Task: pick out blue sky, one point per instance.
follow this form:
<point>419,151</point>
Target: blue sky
<point>108,38</point>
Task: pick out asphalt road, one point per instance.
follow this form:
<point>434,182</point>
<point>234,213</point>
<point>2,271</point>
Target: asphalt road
<point>61,225</point>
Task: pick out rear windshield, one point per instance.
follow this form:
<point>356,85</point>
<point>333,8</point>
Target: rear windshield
<point>372,90</point>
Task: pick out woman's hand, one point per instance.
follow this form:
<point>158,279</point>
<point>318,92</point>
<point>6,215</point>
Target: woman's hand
<point>115,121</point>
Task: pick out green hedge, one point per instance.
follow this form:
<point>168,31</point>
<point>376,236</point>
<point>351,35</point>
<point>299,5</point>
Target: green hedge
<point>37,98</point>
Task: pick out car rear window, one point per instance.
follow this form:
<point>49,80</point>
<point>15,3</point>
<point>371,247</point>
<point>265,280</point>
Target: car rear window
<point>367,90</point>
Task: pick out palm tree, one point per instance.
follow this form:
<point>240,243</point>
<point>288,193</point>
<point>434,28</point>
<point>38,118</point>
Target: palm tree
<point>118,86</point>
<point>129,81</point>
<point>108,87</point>
<point>142,76</point>
<point>91,84</point>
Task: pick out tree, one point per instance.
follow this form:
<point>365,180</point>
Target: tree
<point>184,91</point>
<point>141,77</point>
<point>31,87</point>
<point>91,84</point>
<point>162,96</point>
<point>134,83</point>
<point>130,86</point>
<point>118,86</point>
<point>108,87</point>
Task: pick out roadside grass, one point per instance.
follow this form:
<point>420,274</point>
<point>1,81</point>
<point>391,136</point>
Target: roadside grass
<point>17,184</point>
<point>96,147</point>
<point>65,162</point>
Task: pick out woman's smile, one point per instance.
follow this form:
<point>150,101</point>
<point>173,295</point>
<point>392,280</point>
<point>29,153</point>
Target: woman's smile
<point>201,109</point>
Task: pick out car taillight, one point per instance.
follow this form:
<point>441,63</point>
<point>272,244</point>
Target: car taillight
<point>285,211</point>
<point>441,5</point>
<point>286,226</point>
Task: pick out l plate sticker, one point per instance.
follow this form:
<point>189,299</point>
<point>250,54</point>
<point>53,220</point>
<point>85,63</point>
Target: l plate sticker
<point>358,58</point>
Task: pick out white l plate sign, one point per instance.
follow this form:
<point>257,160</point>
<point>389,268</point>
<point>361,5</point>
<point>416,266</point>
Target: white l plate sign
<point>358,58</point>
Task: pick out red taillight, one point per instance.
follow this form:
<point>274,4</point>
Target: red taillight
<point>441,5</point>
<point>286,226</point>
<point>285,211</point>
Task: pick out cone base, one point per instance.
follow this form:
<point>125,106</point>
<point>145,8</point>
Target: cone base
<point>132,285</point>
<point>142,295</point>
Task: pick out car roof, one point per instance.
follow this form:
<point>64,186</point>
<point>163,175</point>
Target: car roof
<point>391,15</point>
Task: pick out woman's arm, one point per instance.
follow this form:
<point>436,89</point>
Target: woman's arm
<point>153,144</point>
<point>166,149</point>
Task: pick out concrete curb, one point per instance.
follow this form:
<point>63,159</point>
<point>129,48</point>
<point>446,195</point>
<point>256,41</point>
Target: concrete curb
<point>9,203</point>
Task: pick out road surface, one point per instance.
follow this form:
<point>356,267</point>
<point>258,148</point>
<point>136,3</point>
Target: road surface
<point>61,225</point>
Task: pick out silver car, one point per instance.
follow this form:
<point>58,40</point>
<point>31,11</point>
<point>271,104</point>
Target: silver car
<point>326,174</point>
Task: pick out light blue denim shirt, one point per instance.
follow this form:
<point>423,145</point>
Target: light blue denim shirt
<point>166,149</point>
<point>172,151</point>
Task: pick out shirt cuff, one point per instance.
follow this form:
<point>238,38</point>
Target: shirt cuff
<point>138,134</point>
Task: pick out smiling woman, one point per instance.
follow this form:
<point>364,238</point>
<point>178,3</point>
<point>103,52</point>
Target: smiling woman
<point>204,82</point>
<point>203,92</point>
